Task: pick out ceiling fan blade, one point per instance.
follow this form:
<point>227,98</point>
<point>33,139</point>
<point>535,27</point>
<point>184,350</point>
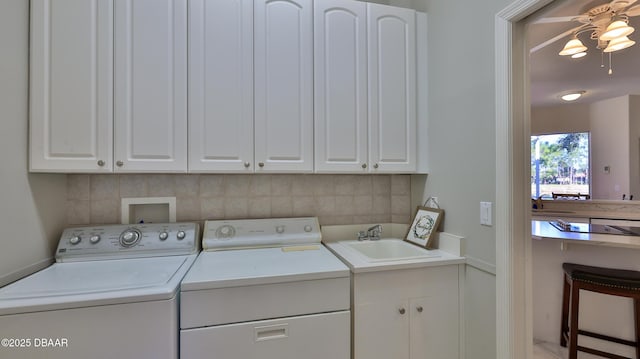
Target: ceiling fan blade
<point>618,6</point>
<point>556,19</point>
<point>633,11</point>
<point>553,39</point>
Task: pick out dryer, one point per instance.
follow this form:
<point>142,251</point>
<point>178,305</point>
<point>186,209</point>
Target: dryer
<point>268,289</point>
<point>112,293</point>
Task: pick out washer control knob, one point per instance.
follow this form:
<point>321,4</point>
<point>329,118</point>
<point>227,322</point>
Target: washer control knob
<point>280,229</point>
<point>75,240</point>
<point>94,239</point>
<point>308,228</point>
<point>181,235</point>
<point>129,237</point>
<point>163,236</point>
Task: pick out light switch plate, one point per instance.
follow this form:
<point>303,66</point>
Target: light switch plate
<point>485,213</point>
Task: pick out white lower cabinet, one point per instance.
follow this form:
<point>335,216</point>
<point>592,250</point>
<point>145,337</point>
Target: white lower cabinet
<point>297,337</point>
<point>407,314</point>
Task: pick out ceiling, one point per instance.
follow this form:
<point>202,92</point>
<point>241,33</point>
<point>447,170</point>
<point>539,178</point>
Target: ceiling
<point>553,75</point>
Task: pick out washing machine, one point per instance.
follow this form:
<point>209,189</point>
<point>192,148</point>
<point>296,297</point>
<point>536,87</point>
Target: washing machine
<point>267,289</point>
<point>113,292</point>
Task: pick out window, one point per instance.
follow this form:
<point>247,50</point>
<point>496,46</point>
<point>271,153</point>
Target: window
<point>560,165</point>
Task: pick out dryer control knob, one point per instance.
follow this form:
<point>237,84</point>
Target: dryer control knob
<point>75,240</point>
<point>94,239</point>
<point>163,236</point>
<point>308,228</point>
<point>181,235</point>
<point>280,229</point>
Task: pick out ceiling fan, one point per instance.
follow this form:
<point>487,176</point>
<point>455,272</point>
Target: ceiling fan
<point>608,24</point>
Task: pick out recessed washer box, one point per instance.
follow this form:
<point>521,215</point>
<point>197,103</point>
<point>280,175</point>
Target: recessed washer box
<point>148,210</point>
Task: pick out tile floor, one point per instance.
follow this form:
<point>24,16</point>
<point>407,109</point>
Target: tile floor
<point>547,350</point>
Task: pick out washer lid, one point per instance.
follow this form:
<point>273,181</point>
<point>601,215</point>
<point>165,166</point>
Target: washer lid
<point>233,268</point>
<point>79,284</point>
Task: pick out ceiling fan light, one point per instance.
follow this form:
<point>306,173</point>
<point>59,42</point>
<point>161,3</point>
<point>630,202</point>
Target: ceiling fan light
<point>619,43</point>
<point>572,96</point>
<point>579,55</point>
<point>616,29</point>
<point>573,47</point>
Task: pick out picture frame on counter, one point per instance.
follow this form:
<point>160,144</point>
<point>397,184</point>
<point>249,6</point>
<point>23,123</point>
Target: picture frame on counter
<point>424,226</point>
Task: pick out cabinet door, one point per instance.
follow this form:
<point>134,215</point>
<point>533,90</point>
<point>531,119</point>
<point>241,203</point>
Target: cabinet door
<point>151,85</point>
<point>340,83</point>
<point>434,327</point>
<point>71,101</point>
<point>392,88</point>
<point>221,85</point>
<point>283,44</point>
<point>381,329</point>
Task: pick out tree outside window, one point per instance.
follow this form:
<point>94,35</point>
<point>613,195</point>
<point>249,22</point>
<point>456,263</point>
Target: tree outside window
<point>560,164</point>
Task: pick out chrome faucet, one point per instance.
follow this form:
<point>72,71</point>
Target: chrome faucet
<point>372,234</point>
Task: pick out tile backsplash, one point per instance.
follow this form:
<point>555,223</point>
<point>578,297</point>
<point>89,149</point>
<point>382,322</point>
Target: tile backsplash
<point>334,199</point>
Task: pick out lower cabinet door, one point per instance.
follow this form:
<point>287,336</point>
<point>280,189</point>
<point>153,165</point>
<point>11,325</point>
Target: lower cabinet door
<point>317,336</point>
<point>381,330</point>
<point>434,327</point>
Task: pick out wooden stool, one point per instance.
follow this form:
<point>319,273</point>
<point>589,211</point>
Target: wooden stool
<point>623,283</point>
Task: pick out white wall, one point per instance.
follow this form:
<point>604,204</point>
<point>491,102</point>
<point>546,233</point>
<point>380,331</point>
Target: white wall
<point>30,215</point>
<point>634,146</point>
<point>614,125</point>
<point>610,147</point>
<point>559,119</point>
<point>461,113</point>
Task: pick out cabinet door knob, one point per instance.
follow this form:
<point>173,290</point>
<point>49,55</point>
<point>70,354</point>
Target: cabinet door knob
<point>376,166</point>
<point>261,164</point>
<point>119,163</point>
<point>247,164</point>
<point>364,165</point>
<point>419,309</point>
<point>401,310</point>
<point>100,163</point>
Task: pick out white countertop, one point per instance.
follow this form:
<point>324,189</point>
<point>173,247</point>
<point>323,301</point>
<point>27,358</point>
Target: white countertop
<point>544,230</point>
<point>359,264</point>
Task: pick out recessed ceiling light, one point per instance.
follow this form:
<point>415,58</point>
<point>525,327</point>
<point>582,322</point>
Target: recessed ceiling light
<point>572,96</point>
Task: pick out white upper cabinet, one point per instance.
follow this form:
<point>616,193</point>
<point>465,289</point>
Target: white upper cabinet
<point>392,88</point>
<point>150,86</point>
<point>283,45</point>
<point>237,86</point>
<point>108,86</point>
<point>365,88</point>
<point>340,82</point>
<point>221,85</point>
<point>71,103</point>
